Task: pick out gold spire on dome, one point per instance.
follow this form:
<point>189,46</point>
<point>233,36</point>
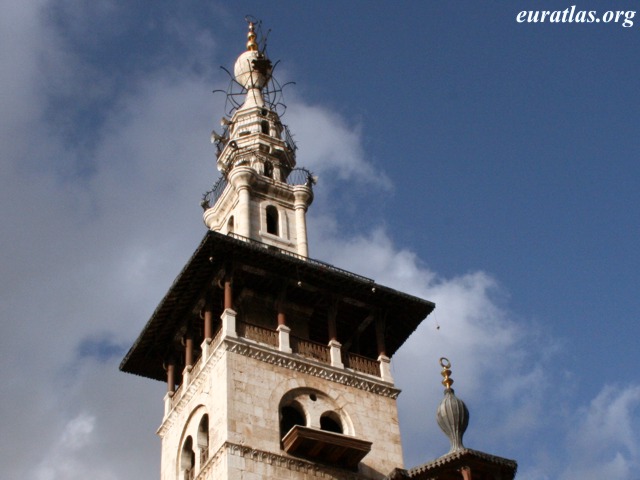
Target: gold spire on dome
<point>252,46</point>
<point>446,372</point>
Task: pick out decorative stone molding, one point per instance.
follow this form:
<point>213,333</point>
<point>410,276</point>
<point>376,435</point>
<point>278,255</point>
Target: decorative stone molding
<point>176,403</point>
<point>277,461</point>
<point>303,365</point>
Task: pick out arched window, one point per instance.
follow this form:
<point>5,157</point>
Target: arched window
<point>272,220</point>
<point>330,421</point>
<point>264,126</point>
<point>291,415</point>
<point>268,169</point>
<point>203,439</point>
<point>187,460</point>
<point>230,225</point>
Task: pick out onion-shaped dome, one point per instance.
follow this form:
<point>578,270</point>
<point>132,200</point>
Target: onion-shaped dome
<point>452,414</point>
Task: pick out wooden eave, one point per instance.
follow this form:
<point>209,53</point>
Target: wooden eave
<point>263,269</point>
<point>482,465</point>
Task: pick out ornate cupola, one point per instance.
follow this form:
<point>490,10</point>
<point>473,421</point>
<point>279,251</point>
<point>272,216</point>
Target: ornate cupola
<point>260,196</point>
<point>452,414</point>
<point>460,463</point>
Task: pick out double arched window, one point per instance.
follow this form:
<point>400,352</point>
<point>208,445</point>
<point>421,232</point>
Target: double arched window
<point>194,452</point>
<point>311,408</point>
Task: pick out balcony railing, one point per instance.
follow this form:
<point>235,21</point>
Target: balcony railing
<point>361,364</point>
<point>303,347</point>
<point>301,176</point>
<point>309,349</point>
<point>211,197</point>
<point>257,334</point>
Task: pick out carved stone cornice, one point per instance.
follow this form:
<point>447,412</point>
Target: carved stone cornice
<point>276,460</point>
<point>182,397</point>
<point>271,356</point>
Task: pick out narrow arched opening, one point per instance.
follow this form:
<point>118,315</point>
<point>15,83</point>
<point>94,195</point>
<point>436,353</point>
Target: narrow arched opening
<point>264,127</point>
<point>268,169</point>
<point>330,422</point>
<point>272,220</point>
<point>290,416</point>
<point>203,439</point>
<point>230,225</point>
<point>187,460</point>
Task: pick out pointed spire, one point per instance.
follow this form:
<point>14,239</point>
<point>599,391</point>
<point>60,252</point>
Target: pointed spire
<point>252,46</point>
<point>452,414</point>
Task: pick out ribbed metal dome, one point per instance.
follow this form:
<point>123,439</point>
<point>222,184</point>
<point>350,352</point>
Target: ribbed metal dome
<point>453,418</point>
<point>452,414</point>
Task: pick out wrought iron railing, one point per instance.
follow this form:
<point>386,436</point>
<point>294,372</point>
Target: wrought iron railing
<point>309,349</point>
<point>288,138</point>
<point>211,197</point>
<point>301,176</point>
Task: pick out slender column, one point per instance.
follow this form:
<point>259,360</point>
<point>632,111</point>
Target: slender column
<point>284,341</point>
<point>240,178</point>
<point>188,351</point>
<point>171,376</point>
<point>228,293</point>
<point>382,349</point>
<point>303,198</point>
<point>207,317</point>
<point>208,321</point>
<point>383,360</point>
<point>229,315</point>
<point>244,211</point>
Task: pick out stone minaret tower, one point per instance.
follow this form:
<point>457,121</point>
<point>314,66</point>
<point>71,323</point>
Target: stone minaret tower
<point>261,197</point>
<point>277,366</point>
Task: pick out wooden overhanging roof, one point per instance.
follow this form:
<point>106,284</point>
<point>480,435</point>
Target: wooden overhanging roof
<point>267,270</point>
<point>447,467</point>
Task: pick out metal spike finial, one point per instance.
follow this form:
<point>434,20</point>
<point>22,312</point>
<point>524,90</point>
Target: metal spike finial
<point>446,372</point>
<point>252,46</point>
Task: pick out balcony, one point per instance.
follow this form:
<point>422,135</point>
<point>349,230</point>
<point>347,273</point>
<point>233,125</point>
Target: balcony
<point>272,338</point>
<point>324,446</point>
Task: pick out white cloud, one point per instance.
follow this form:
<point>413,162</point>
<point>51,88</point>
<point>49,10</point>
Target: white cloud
<point>602,438</point>
<point>330,145</point>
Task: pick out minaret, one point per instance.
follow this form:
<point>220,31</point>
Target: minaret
<point>460,463</point>
<point>277,365</point>
<point>261,196</point>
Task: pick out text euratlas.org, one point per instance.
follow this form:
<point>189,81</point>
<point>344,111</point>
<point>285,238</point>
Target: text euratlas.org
<point>573,14</point>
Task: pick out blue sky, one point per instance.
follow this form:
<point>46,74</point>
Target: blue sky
<point>485,164</point>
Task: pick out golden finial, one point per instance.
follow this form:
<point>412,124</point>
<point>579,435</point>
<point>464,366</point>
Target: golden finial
<point>446,372</point>
<point>251,39</point>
